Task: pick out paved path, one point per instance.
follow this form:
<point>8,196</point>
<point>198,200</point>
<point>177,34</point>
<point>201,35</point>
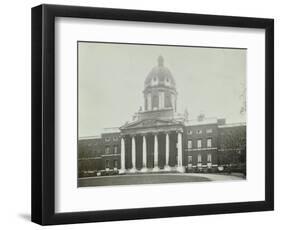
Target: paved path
<point>152,179</point>
<point>218,177</point>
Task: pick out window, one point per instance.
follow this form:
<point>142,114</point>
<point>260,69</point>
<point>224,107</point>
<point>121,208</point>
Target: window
<point>189,159</point>
<point>168,102</point>
<point>209,143</point>
<point>155,102</point>
<point>209,157</point>
<point>107,139</point>
<point>107,150</point>
<point>189,132</point>
<point>199,131</point>
<point>115,163</point>
<point>115,149</point>
<point>209,131</point>
<point>199,144</point>
<point>115,138</point>
<point>107,164</point>
<point>199,158</point>
<point>189,144</point>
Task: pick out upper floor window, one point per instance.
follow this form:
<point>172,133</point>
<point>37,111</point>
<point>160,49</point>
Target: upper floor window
<point>107,150</point>
<point>199,131</point>
<point>115,149</point>
<point>189,159</point>
<point>189,132</point>
<point>209,130</point>
<point>189,144</point>
<point>199,144</point>
<point>209,143</point>
<point>107,139</point>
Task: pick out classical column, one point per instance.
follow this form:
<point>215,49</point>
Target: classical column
<point>167,167</point>
<point>155,168</point>
<point>133,169</point>
<point>122,170</point>
<point>144,154</point>
<point>180,167</point>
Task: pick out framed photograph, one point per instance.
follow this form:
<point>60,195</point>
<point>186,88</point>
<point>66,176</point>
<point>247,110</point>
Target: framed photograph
<point>143,114</point>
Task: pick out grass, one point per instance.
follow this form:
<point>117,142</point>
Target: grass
<point>139,179</point>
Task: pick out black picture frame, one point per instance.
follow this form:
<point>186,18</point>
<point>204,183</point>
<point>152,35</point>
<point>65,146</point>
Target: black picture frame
<point>43,113</point>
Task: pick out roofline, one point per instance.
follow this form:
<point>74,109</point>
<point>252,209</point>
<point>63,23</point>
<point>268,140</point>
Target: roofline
<point>233,125</point>
<point>90,137</point>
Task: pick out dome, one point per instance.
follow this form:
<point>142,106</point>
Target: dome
<point>160,76</point>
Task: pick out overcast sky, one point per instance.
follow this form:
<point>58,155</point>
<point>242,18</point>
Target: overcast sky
<point>111,80</point>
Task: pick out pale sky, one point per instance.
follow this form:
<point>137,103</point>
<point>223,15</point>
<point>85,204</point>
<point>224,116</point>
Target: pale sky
<point>111,80</point>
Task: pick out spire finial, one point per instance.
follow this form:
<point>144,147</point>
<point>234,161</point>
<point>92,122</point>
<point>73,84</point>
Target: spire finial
<point>160,61</point>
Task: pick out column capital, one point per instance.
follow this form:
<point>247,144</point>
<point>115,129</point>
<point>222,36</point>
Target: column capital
<point>179,131</point>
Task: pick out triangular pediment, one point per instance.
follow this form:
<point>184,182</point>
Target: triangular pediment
<point>149,123</point>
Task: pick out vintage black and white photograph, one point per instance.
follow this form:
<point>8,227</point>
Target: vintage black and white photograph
<point>150,114</point>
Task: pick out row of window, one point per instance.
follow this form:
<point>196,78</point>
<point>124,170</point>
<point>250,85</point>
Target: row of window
<point>199,131</point>
<point>107,163</point>
<point>199,143</point>
<point>115,138</point>
<point>115,149</point>
<point>199,158</point>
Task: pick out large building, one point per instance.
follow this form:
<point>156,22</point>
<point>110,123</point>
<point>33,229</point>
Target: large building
<point>160,139</point>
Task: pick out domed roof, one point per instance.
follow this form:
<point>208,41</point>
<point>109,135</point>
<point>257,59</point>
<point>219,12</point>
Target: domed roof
<point>160,76</point>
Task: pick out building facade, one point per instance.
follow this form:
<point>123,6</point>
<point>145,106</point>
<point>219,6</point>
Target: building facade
<point>161,139</point>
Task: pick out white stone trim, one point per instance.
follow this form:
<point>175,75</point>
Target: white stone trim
<point>89,158</point>
<point>110,155</point>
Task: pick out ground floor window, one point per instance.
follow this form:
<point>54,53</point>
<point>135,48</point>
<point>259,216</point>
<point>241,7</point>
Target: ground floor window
<point>199,158</point>
<point>115,163</point>
<point>209,157</point>
<point>189,159</point>
<point>106,163</point>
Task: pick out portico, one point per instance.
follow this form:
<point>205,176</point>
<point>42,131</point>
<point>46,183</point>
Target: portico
<point>144,150</point>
